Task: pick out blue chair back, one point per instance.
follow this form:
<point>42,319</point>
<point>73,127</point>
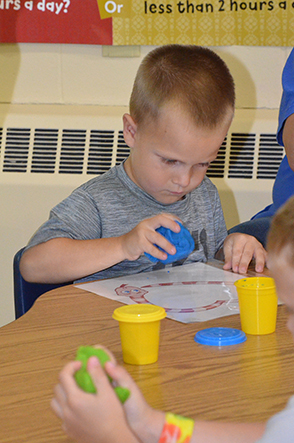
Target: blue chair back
<point>26,293</point>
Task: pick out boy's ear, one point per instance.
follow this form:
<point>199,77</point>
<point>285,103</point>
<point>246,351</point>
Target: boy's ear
<point>130,129</point>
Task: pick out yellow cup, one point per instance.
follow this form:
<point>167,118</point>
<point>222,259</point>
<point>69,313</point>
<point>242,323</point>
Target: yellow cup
<point>258,304</point>
<point>139,327</point>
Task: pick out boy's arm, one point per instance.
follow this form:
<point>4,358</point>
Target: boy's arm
<point>97,417</point>
<point>64,259</point>
<point>147,423</point>
<point>240,249</point>
<point>217,432</point>
<point>288,139</point>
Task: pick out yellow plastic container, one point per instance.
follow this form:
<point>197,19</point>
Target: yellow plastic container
<point>139,327</point>
<point>258,304</point>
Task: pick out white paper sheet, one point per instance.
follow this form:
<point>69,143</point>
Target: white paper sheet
<point>190,293</point>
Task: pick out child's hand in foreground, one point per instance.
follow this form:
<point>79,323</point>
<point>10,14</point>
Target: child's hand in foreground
<point>143,237</point>
<point>91,418</point>
<point>239,249</point>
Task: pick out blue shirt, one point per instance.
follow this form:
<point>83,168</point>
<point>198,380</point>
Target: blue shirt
<point>283,187</point>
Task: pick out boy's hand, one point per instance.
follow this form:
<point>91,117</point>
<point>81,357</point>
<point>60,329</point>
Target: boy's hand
<point>239,249</point>
<point>143,237</point>
<point>90,418</point>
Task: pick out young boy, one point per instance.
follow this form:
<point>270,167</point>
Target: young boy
<point>181,107</point>
<point>100,418</point>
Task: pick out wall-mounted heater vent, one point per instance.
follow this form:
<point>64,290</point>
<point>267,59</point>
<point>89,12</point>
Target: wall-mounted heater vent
<point>100,151</point>
<point>64,151</point>
<point>94,151</point>
<point>64,146</point>
<point>72,153</point>
<point>44,151</point>
<point>16,149</point>
<point>270,155</point>
<point>241,157</point>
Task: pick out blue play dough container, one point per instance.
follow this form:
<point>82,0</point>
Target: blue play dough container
<point>183,242</point>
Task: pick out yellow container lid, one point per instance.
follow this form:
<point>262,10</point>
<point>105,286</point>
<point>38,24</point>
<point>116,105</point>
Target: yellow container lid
<point>260,283</point>
<point>139,313</point>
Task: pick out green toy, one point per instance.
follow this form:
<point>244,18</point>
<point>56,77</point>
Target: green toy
<point>83,378</point>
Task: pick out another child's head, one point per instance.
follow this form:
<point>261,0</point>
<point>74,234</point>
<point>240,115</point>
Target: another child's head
<point>280,246</point>
<point>181,108</point>
<point>191,77</point>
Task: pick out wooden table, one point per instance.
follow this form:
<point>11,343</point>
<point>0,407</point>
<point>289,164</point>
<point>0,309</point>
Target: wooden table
<point>250,381</point>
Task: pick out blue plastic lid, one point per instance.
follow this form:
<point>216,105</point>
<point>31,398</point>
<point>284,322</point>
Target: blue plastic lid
<point>220,336</point>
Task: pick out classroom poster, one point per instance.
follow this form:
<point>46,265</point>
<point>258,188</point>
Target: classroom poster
<point>149,22</point>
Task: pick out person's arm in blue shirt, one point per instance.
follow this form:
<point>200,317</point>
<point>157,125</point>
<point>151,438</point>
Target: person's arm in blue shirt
<point>288,139</point>
<point>285,133</point>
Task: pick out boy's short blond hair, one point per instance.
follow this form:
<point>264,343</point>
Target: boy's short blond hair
<point>281,232</point>
<point>192,77</point>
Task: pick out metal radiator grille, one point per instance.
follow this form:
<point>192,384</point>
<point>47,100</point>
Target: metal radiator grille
<point>92,152</point>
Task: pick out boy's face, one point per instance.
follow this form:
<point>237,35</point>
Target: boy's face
<point>169,158</point>
<point>283,274</point>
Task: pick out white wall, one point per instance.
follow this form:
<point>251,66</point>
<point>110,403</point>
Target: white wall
<point>79,74</point>
<point>67,74</point>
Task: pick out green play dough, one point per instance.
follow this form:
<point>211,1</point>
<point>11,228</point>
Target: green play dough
<point>84,379</point>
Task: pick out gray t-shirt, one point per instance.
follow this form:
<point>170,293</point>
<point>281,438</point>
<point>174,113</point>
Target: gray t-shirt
<point>111,205</point>
<point>280,428</point>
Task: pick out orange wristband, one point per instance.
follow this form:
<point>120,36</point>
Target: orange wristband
<point>177,429</point>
